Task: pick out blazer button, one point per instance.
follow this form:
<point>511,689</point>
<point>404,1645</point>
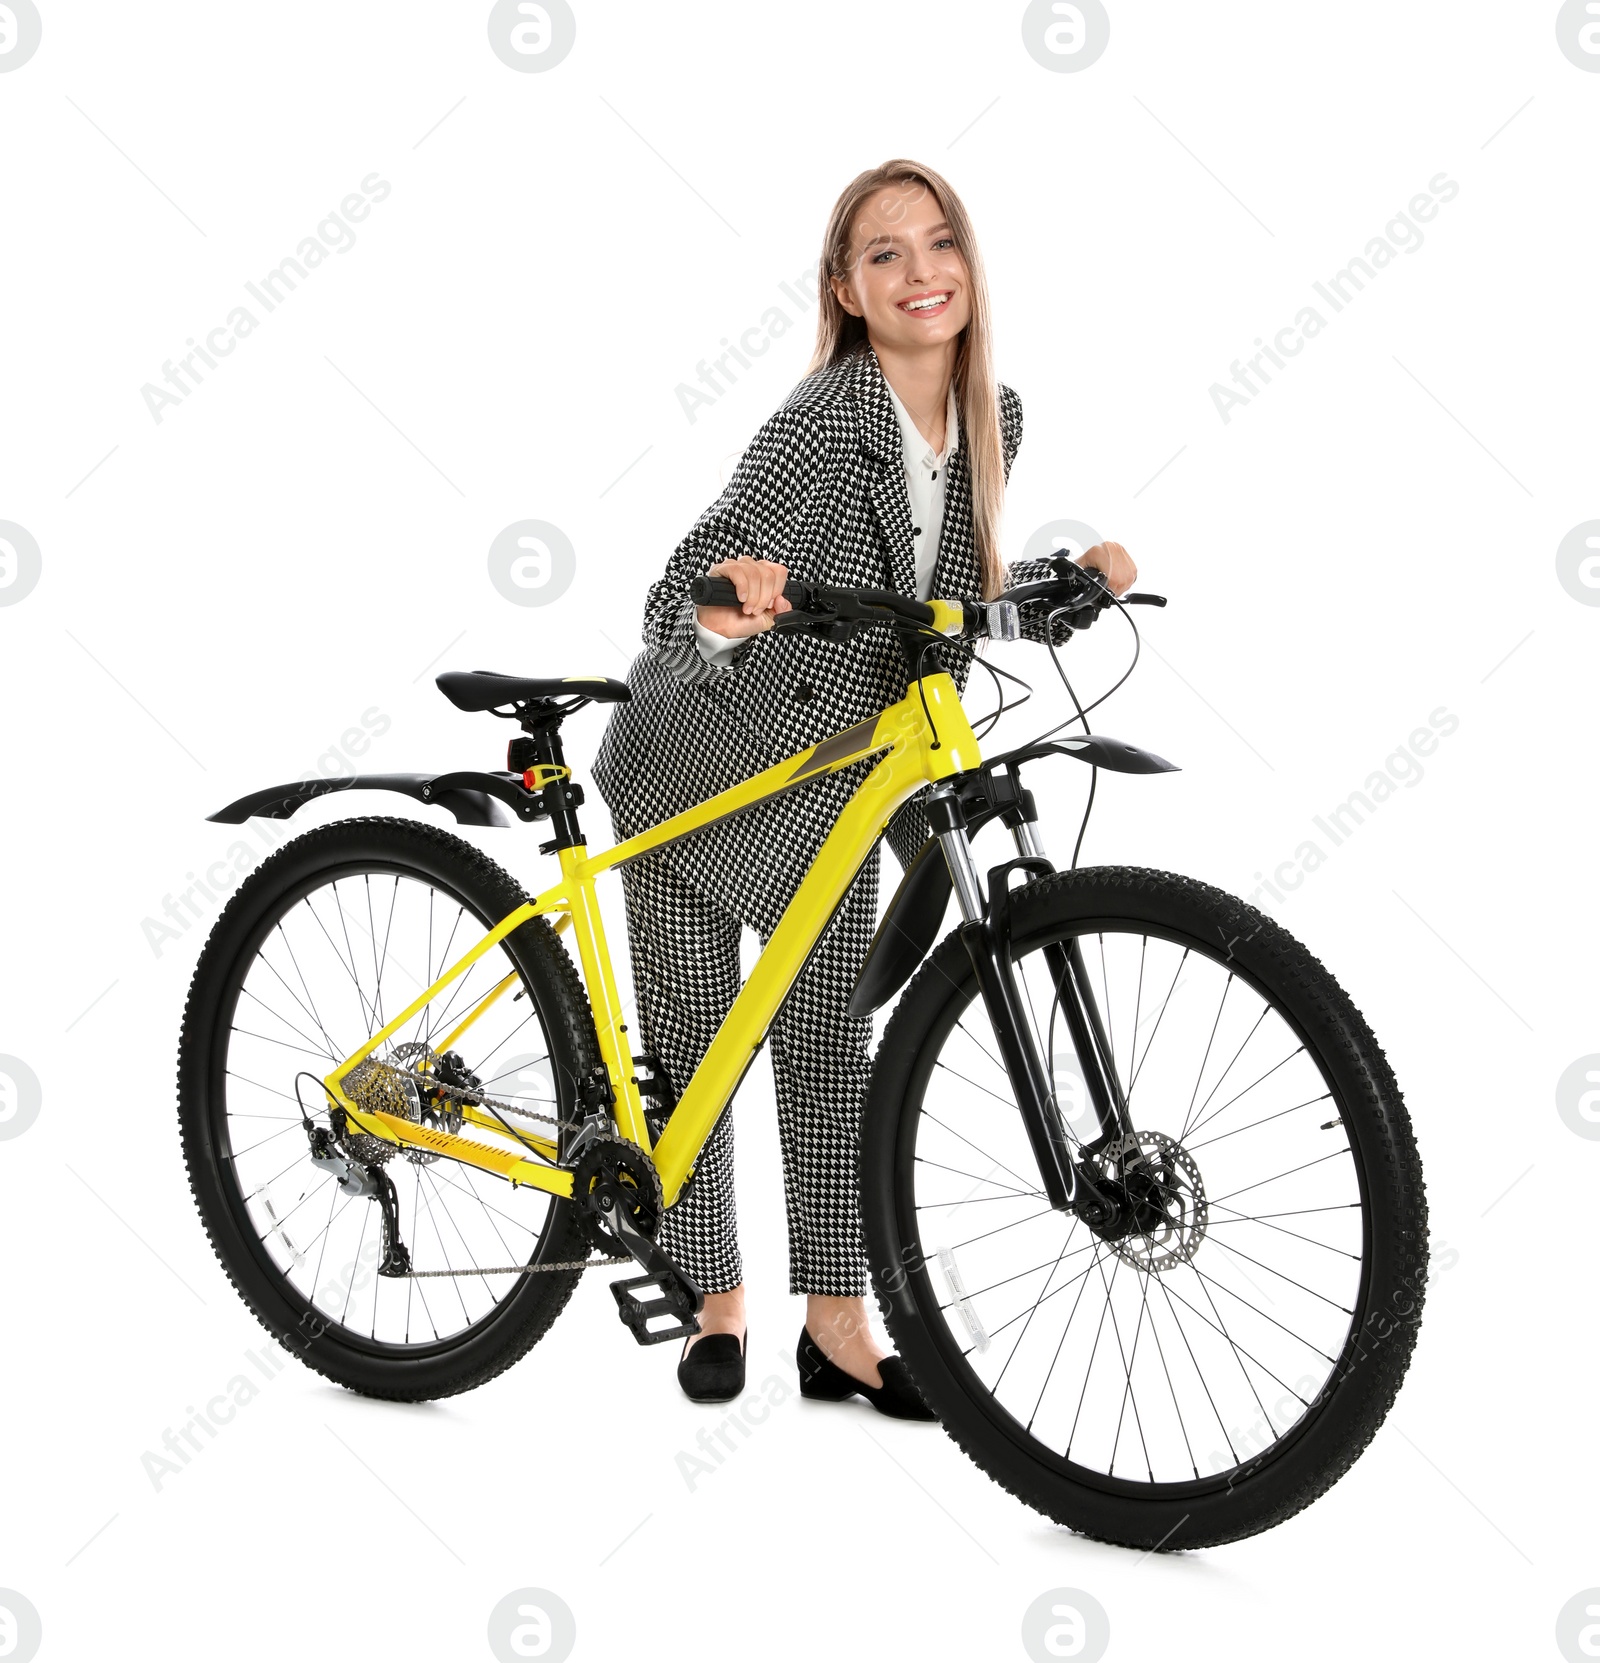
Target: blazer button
<point>804,692</point>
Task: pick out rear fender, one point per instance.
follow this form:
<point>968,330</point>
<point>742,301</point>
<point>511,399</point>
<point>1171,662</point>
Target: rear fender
<point>473,797</point>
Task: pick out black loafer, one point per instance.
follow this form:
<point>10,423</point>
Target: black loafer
<point>826,1382</point>
<point>712,1369</point>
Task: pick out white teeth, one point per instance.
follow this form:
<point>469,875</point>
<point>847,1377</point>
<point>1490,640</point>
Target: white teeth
<point>923,305</point>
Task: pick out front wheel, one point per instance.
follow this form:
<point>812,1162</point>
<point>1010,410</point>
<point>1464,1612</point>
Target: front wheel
<point>1216,1366</point>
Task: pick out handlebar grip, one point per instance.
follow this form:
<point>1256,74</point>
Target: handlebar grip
<point>720,591</point>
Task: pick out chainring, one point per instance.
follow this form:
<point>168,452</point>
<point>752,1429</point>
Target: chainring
<point>623,1169</point>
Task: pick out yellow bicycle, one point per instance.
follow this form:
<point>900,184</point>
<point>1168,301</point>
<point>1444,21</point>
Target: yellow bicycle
<point>1143,1208</point>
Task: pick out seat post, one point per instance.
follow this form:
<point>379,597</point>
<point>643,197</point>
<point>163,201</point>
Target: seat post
<point>562,796</point>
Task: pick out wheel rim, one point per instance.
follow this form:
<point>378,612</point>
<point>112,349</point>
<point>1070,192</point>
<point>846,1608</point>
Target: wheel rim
<point>337,957</point>
<point>1207,1339</point>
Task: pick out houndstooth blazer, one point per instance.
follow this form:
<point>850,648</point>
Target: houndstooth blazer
<point>822,488</point>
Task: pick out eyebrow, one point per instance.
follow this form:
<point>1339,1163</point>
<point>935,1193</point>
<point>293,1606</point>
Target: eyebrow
<point>888,237</point>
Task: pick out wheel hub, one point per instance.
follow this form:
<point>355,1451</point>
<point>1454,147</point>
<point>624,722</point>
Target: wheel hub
<point>412,1082</point>
<point>1162,1199</point>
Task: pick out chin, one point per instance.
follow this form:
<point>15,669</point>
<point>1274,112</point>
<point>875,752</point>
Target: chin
<point>911,334</point>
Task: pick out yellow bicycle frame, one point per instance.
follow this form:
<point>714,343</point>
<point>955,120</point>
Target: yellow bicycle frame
<point>908,759</point>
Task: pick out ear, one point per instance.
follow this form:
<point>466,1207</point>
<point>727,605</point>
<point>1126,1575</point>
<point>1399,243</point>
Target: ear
<point>841,293</point>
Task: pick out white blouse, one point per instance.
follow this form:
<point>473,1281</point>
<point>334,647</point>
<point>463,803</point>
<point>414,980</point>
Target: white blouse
<point>925,484</point>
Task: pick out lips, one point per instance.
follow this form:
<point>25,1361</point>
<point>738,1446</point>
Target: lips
<point>914,306</point>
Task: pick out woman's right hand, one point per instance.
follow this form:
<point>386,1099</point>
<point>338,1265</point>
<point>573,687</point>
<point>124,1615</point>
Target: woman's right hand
<point>760,585</point>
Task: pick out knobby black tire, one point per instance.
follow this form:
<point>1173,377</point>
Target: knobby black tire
<point>1278,1482</point>
<point>477,1354</point>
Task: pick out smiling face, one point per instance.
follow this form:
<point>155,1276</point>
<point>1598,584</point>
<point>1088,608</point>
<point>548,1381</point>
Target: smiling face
<point>906,277</point>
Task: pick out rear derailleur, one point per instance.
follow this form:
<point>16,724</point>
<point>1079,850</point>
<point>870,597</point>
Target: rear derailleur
<point>357,1159</point>
<point>363,1178</point>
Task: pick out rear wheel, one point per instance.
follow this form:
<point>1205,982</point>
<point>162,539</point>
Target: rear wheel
<point>1218,1366</point>
<point>323,944</point>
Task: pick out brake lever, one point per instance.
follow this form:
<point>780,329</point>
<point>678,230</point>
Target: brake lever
<point>1106,597</point>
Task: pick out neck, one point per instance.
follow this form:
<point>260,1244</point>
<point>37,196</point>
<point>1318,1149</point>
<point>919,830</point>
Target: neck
<point>921,380</point>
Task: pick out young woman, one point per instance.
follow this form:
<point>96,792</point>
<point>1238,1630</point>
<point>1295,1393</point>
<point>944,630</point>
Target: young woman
<point>886,468</point>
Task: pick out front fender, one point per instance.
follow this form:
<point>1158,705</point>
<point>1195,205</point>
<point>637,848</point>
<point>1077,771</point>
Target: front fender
<point>911,924</point>
<point>473,797</point>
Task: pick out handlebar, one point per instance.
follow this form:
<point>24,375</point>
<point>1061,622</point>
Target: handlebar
<point>836,612</point>
<point>817,597</point>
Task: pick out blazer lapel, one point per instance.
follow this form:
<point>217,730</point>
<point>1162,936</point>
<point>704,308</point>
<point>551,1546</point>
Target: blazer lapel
<point>880,443</point>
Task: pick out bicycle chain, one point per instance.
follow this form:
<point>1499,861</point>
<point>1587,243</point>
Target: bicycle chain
<point>517,1270</point>
<point>475,1095</point>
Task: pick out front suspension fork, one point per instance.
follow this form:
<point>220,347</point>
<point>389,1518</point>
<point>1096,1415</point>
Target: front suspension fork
<point>985,931</point>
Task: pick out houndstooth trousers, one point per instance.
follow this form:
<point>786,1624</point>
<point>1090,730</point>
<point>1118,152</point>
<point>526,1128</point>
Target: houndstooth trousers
<point>686,972</point>
<point>822,486</point>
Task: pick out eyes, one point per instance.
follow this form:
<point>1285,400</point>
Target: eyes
<point>884,254</point>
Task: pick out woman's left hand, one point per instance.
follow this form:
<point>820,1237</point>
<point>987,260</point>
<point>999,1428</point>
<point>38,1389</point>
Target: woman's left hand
<point>1114,561</point>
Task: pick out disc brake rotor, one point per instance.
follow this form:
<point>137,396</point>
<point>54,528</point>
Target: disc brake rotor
<point>1163,1185</point>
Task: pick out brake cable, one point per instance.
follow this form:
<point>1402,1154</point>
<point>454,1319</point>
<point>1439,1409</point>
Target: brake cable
<point>1082,710</point>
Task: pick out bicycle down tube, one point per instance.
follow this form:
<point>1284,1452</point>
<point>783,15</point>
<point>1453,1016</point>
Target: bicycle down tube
<point>910,761</point>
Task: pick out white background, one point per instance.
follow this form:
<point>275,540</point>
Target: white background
<point>304,538</point>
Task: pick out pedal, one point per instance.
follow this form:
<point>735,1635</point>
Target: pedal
<point>676,1298</point>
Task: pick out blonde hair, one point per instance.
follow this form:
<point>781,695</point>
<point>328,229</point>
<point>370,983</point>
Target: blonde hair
<point>840,333</point>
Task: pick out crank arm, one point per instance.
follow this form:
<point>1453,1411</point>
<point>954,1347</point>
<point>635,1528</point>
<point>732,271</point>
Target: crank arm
<point>676,1295</point>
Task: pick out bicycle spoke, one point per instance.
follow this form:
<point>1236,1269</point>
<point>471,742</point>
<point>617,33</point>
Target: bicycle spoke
<point>346,951</point>
<point>327,1042</point>
<point>1095,1348</point>
<point>1273,1271</point>
<point>1049,1264</point>
<point>1138,1002</point>
<point>1180,1348</point>
<point>1211,1281</point>
<point>1044,1299</point>
<point>310,1006</point>
<point>1007,1101</point>
<point>1157,1029</point>
<point>1238,1350</point>
<point>1188,1125</point>
<point>1245,1218</point>
<point>1206,1121</point>
<point>978,1200</point>
<point>1210,1041</point>
<point>287,1096</point>
<point>269,1040</point>
<point>924,1161</point>
<point>1127,1371</point>
<point>971,1145</point>
<point>999,1227</point>
<point>294,1125</point>
<point>1177,1408</point>
<point>1083,1278</point>
<point>347,963</point>
<point>1105,994</point>
<point>1303,1167</point>
<point>1060,1257</point>
<point>1321,1097</point>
